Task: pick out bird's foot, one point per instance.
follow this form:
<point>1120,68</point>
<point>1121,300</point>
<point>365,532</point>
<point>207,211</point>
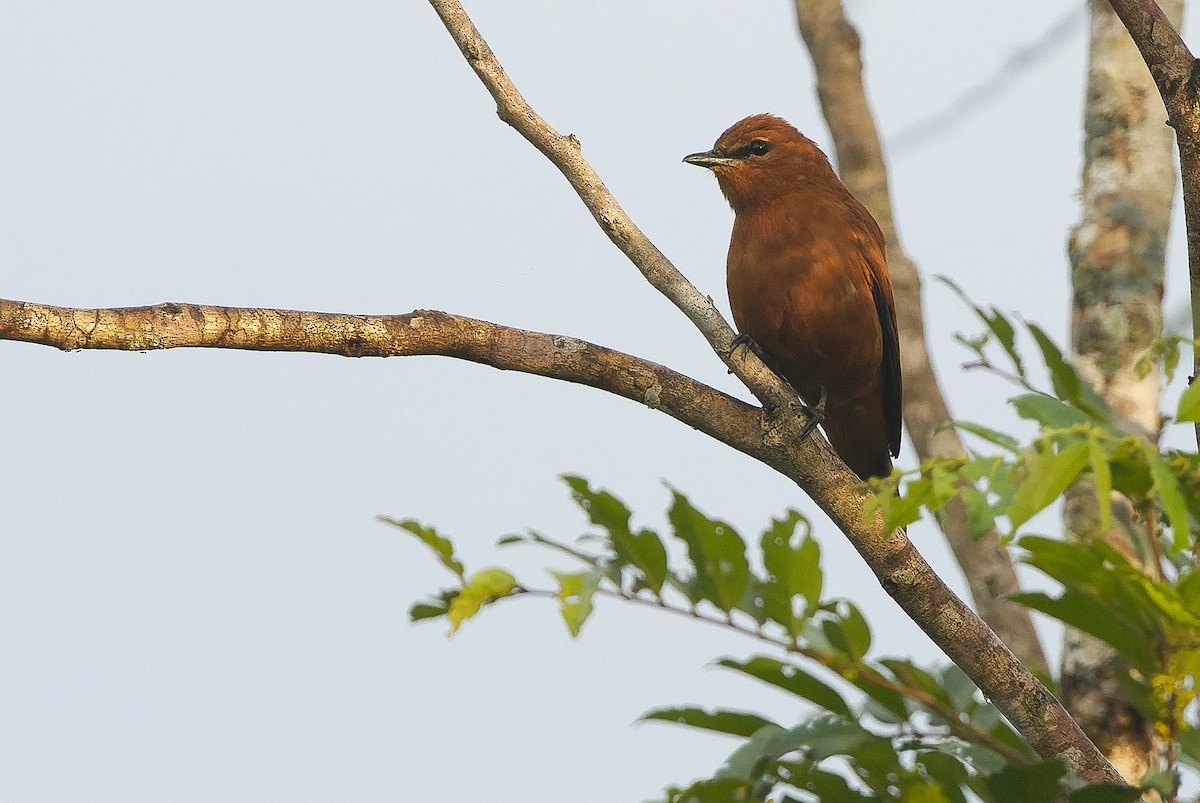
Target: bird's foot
<point>815,413</point>
<point>744,341</point>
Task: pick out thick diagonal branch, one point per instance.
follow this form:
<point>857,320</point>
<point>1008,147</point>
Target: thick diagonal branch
<point>563,151</point>
<point>810,463</point>
<point>903,573</point>
<point>834,46</point>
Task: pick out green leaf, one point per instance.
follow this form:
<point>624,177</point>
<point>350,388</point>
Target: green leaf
<point>430,609</point>
<point>1065,379</point>
<point>960,689</point>
<point>1105,793</point>
<point>889,701</point>
<point>1047,411</point>
<point>1165,781</point>
<point>1037,783</point>
<point>1049,474</point>
<point>765,744</point>
<point>791,679</point>
<point>1167,599</point>
<point>1189,745</point>
<point>1188,586</point>
<point>1082,611</point>
<point>996,323</point>
<point>826,736</point>
<point>900,510</point>
<point>575,593</point>
<point>980,515</point>
<point>1130,472</point>
<point>947,771</point>
<point>1162,351</point>
<point>913,676</point>
<point>1189,404</point>
<point>826,785</point>
<point>485,586</point>
<point>1070,564</point>
<point>643,549</point>
<point>716,551</point>
<point>1173,502</point>
<point>792,571</point>
<point>712,790</point>
<point>733,723</point>
<point>1102,479</point>
<point>855,629</point>
<point>442,547</point>
<point>992,436</point>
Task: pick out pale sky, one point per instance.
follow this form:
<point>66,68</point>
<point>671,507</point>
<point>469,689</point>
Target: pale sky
<point>196,602</point>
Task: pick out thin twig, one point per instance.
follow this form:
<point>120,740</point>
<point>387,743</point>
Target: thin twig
<point>977,97</point>
<point>843,668</point>
<point>564,153</point>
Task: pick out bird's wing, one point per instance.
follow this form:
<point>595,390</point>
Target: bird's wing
<point>873,250</point>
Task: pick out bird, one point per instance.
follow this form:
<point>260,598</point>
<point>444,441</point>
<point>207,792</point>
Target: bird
<point>808,283</point>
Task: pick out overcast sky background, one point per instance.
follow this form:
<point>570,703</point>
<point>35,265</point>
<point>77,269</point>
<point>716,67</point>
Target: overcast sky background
<point>196,602</point>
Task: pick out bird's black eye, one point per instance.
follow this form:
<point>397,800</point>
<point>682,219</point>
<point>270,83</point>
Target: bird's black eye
<point>759,146</point>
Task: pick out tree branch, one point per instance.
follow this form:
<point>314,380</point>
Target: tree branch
<point>810,463</point>
<point>834,46</point>
<point>1178,80</point>
<point>422,332</point>
<point>564,153</point>
<point>768,435</point>
<point>903,573</point>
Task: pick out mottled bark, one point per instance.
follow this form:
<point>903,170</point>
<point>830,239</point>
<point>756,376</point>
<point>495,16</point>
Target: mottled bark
<point>834,46</point>
<point>1177,76</point>
<point>1090,684</point>
<point>1117,250</point>
<point>1117,255</point>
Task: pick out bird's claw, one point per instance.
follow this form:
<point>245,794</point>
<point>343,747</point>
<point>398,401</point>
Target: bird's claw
<point>815,413</point>
<point>743,341</point>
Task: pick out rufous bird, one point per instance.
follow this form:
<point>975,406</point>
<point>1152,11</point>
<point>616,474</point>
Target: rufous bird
<point>808,283</point>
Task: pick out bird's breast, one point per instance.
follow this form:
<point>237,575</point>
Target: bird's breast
<point>799,288</point>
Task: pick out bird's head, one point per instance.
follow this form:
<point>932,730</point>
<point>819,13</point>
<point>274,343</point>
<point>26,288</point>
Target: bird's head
<point>761,158</point>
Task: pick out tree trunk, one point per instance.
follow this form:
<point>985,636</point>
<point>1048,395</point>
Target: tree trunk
<point>1117,254</point>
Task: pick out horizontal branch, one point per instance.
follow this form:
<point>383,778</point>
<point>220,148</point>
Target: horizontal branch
<point>810,463</point>
<point>422,332</point>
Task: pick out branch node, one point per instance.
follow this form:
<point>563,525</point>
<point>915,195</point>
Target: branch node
<point>652,397</point>
<point>569,345</point>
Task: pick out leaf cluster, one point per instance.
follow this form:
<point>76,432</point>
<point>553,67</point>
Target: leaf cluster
<point>1078,440</point>
<point>886,729</point>
<point>875,729</point>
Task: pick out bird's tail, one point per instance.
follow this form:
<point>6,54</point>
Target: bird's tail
<point>858,433</point>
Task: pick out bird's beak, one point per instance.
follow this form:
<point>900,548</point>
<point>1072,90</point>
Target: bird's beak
<point>709,159</point>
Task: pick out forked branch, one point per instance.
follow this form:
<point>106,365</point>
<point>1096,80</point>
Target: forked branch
<point>902,571</point>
